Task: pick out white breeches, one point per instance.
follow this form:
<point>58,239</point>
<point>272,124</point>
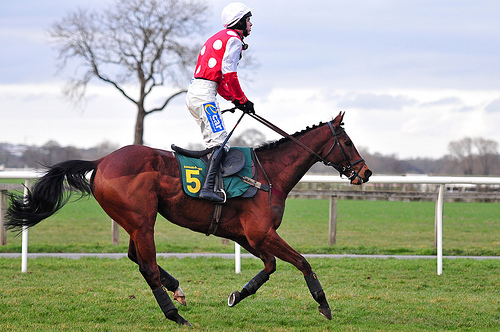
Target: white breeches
<point>201,100</point>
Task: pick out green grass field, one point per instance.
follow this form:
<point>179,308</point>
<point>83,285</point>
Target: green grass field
<point>364,227</point>
<point>93,294</point>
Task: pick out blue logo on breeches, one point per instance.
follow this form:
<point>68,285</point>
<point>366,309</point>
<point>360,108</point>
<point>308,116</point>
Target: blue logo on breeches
<point>213,117</point>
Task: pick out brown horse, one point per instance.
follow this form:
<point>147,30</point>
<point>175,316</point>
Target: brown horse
<point>135,183</point>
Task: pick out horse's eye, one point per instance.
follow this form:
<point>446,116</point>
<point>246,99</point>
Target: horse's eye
<point>348,143</point>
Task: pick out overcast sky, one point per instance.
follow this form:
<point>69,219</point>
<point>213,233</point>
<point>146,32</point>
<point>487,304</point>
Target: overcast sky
<point>411,75</point>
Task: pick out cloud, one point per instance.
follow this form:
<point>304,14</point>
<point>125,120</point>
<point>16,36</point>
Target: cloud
<point>427,74</point>
<point>444,102</point>
<point>376,101</point>
<point>466,109</point>
<point>449,103</point>
<point>493,107</point>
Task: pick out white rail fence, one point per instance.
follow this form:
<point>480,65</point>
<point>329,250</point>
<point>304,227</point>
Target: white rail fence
<point>441,181</point>
<point>27,176</point>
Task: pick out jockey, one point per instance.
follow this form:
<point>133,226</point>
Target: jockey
<point>215,72</point>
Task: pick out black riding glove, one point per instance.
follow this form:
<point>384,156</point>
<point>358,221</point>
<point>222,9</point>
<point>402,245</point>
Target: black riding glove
<point>247,107</point>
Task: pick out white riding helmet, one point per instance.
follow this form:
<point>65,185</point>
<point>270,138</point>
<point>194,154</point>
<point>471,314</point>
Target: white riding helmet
<point>233,12</point>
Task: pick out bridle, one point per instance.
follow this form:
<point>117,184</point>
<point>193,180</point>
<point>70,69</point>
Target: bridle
<point>341,169</point>
<point>348,170</point>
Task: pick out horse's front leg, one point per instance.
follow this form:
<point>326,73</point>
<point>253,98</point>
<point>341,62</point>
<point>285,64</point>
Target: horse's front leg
<point>279,248</point>
<point>167,280</point>
<point>318,294</point>
<point>254,284</point>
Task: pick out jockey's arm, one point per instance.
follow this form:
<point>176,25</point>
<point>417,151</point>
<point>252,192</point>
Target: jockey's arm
<point>230,88</point>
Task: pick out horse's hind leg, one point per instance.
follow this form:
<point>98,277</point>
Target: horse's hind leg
<point>145,253</point>
<point>172,284</point>
<point>167,280</point>
<point>254,284</point>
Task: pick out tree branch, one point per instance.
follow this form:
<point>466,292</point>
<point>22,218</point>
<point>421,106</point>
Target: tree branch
<point>166,102</point>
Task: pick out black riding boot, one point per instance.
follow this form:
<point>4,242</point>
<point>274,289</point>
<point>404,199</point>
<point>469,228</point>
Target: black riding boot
<point>207,190</point>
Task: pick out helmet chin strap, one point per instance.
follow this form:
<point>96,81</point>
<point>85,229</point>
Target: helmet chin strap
<point>245,32</point>
<point>245,45</point>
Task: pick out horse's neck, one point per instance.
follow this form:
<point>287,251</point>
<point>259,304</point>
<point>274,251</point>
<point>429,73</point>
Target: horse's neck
<point>287,163</point>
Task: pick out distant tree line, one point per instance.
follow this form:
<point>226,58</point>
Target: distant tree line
<point>24,156</point>
<point>475,155</point>
<point>468,156</point>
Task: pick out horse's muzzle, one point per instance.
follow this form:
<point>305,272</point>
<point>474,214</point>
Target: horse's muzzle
<point>361,176</point>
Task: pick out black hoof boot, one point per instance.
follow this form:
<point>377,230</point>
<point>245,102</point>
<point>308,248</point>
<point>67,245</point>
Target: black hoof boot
<point>250,288</point>
<point>327,312</point>
<point>234,299</point>
<point>173,315</point>
<point>168,307</point>
<point>323,308</point>
<point>318,295</point>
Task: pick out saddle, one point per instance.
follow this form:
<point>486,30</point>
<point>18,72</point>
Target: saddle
<point>233,162</point>
<point>236,177</point>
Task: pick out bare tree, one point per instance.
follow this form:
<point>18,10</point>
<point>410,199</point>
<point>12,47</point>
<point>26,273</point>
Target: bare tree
<point>473,154</point>
<point>134,45</point>
<point>463,154</point>
<point>487,154</point>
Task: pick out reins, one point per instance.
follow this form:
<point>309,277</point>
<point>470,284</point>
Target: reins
<point>285,134</point>
<point>341,169</point>
<point>280,131</point>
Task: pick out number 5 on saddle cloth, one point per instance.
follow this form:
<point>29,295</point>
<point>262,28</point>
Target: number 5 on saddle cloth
<point>236,169</point>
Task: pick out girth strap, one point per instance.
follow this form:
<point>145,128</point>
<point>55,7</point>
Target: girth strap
<point>214,223</point>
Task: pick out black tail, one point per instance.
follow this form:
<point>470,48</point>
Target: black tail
<point>48,194</point>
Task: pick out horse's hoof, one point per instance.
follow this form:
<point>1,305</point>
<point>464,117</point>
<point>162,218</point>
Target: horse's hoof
<point>173,315</point>
<point>325,311</point>
<point>179,296</point>
<point>181,321</point>
<point>234,299</point>
<point>184,322</point>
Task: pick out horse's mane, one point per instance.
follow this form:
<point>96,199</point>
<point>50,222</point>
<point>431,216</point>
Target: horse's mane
<point>273,144</point>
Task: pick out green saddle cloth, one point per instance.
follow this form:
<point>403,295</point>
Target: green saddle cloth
<point>193,173</point>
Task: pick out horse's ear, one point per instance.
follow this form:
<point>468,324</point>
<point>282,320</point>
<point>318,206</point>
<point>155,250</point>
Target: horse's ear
<point>338,120</point>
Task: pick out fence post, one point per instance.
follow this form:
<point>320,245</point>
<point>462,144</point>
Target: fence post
<point>436,211</point>
<point>237,258</point>
<point>3,209</point>
<point>24,236</point>
<point>439,216</point>
<point>115,234</point>
<point>332,231</point>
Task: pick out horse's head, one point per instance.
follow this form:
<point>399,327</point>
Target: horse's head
<point>343,155</point>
